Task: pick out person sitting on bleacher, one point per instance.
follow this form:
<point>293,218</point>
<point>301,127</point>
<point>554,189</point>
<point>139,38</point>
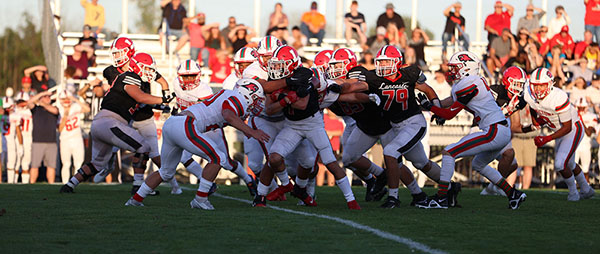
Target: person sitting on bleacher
<point>38,78</point>
<point>90,41</point>
<point>313,24</point>
<point>79,60</point>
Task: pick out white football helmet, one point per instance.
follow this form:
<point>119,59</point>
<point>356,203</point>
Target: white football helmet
<point>266,46</point>
<point>7,102</point>
<point>253,93</point>
<point>541,82</point>
<point>462,64</point>
<point>243,55</point>
<point>189,68</point>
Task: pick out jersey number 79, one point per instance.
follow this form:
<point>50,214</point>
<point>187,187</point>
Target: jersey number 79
<point>400,96</point>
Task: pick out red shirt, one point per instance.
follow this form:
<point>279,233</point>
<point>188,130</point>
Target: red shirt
<point>566,42</point>
<point>592,13</point>
<point>220,71</point>
<point>580,48</point>
<point>498,21</point>
<point>196,37</point>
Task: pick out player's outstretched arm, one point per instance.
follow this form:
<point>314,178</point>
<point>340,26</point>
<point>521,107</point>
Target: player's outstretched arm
<point>272,107</point>
<point>431,94</point>
<point>138,95</point>
<point>234,120</point>
<point>271,86</point>
<point>354,97</point>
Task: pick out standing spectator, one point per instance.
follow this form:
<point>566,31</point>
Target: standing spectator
<point>531,20</point>
<point>240,36</point>
<point>79,60</point>
<point>579,69</point>
<point>557,23</point>
<point>174,12</point>
<point>313,24</point>
<point>39,78</point>
<point>196,32</point>
<point>356,27</point>
<point>71,140</point>
<point>94,15</point>
<point>220,67</point>
<point>499,20</point>
<point>278,18</point>
<point>89,41</point>
<point>298,40</point>
<point>453,19</point>
<point>231,24</point>
<point>525,149</point>
<point>592,17</point>
<point>367,61</point>
<point>215,41</point>
<point>564,40</point>
<point>501,49</point>
<point>44,147</point>
<point>374,43</point>
<point>581,46</point>
<point>26,124</point>
<point>418,41</point>
<point>390,16</point>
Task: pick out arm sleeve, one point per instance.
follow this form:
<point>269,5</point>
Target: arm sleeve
<point>465,95</point>
<point>232,103</point>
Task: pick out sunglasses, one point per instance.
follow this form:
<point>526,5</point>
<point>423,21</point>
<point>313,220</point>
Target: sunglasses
<point>543,31</point>
<point>529,9</point>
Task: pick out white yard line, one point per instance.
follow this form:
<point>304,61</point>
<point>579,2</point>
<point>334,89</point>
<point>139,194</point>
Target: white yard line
<point>385,235</point>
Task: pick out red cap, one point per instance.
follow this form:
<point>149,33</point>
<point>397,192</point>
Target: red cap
<point>25,80</point>
<point>200,14</point>
<point>498,3</point>
<point>565,28</point>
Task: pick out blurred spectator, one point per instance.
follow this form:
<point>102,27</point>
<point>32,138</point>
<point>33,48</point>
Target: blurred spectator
<point>44,148</point>
<point>215,41</point>
<point>94,15</point>
<point>541,37</point>
<point>418,41</point>
<point>231,24</point>
<point>71,140</point>
<point>592,17</point>
<point>389,16</point>
<point>554,61</point>
<point>240,36</point>
<point>535,58</point>
<point>356,27</point>
<point>576,90</point>
<point>520,60</point>
<point>367,61</point>
<point>297,40</point>
<point>26,88</point>
<point>39,78</point>
<point>593,56</point>
<point>581,46</point>
<point>439,84</point>
<point>280,33</point>
<point>593,91</point>
<point>522,39</point>
<point>525,150</point>
<point>499,20</point>
<point>89,41</point>
<point>452,19</point>
<point>196,32</point>
<point>79,60</point>
<point>393,37</point>
<point>579,69</point>
<point>174,13</point>
<point>313,24</point>
<point>278,18</point>
<point>556,24</point>
<point>220,67</point>
<point>374,43</point>
<point>531,20</point>
<point>564,40</point>
<point>501,49</point>
<point>410,57</point>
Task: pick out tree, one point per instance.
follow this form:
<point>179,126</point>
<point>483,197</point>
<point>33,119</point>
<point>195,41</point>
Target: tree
<point>149,17</point>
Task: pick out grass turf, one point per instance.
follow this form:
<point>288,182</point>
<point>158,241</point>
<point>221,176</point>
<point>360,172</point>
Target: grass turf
<point>39,219</point>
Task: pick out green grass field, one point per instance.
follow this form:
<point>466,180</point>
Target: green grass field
<point>39,219</point>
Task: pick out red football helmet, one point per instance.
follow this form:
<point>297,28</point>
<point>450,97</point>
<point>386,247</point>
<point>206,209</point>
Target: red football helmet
<point>284,61</point>
<point>322,60</point>
<point>143,64</point>
<point>341,62</point>
<point>388,60</point>
<point>121,51</point>
<point>514,79</point>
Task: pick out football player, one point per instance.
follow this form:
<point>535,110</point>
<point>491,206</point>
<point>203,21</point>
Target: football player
<point>186,131</point>
<point>110,126</point>
<point>26,131</point>
<point>590,125</point>
<point>13,139</point>
<point>241,60</point>
<point>551,108</point>
<point>71,140</point>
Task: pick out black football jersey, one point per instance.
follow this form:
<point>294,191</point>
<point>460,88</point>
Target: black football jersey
<point>300,82</point>
<point>117,100</point>
<point>397,96</point>
<point>500,94</point>
<point>368,116</point>
<point>110,73</point>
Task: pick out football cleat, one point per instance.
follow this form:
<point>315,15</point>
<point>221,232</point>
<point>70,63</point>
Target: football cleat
<point>176,191</point>
<point>133,202</point>
<point>437,202</point>
<point>390,202</point>
<point>259,201</point>
<point>573,196</point>
<point>135,188</point>
<point>420,200</point>
<point>66,189</point>
<point>206,205</point>
<point>492,190</point>
<point>252,187</point>
<point>353,205</point>
<point>301,194</point>
<point>281,190</point>
<point>515,199</point>
<point>368,193</point>
<point>213,189</point>
<point>380,184</point>
<point>105,171</point>
<point>455,188</point>
<point>588,194</point>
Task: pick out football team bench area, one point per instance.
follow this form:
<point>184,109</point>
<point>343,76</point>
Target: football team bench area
<point>36,218</point>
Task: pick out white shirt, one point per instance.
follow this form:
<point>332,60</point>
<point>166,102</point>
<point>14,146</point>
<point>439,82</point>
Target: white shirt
<point>187,98</point>
<point>554,109</point>
<point>483,106</point>
<point>72,129</point>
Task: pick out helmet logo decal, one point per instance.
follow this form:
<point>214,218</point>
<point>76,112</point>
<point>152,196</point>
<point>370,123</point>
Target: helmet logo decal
<point>465,58</point>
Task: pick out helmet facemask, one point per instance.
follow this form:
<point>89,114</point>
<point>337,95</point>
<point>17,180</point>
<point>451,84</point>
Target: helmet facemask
<point>385,66</point>
<point>147,73</point>
<point>279,69</point>
<point>240,67</point>
<point>540,90</point>
<point>263,60</point>
<point>119,57</point>
<point>189,82</point>
<point>453,73</point>
<point>337,69</point>
<point>516,86</point>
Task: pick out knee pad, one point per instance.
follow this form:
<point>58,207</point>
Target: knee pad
<point>142,160</point>
<point>86,176</point>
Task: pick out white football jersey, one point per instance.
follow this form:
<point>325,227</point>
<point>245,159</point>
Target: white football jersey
<point>255,71</point>
<point>230,81</point>
<point>187,98</point>
<point>589,120</point>
<point>208,113</point>
<point>554,109</point>
<point>14,121</point>
<point>26,120</point>
<point>72,127</point>
<point>482,105</point>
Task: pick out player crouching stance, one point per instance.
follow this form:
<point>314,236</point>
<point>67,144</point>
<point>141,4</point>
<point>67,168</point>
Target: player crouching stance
<point>551,107</point>
<point>471,92</point>
<point>186,131</point>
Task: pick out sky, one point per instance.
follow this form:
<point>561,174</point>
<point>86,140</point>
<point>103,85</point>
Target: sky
<point>429,12</point>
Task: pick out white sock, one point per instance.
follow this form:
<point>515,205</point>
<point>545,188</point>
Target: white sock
<point>262,189</point>
<point>195,169</point>
<point>413,187</point>
<point>434,171</point>
<point>10,176</point>
<point>203,189</point>
<point>375,170</point>
<point>241,173</point>
<point>344,185</point>
<point>447,170</point>
<point>24,178</point>
<point>65,174</point>
<point>583,184</point>
<point>301,182</point>
<point>174,184</point>
<point>138,179</point>
<point>73,182</point>
<point>571,184</point>
<point>283,177</point>
<point>310,187</point>
<point>393,192</point>
<point>144,191</point>
<point>491,174</point>
<point>273,185</point>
